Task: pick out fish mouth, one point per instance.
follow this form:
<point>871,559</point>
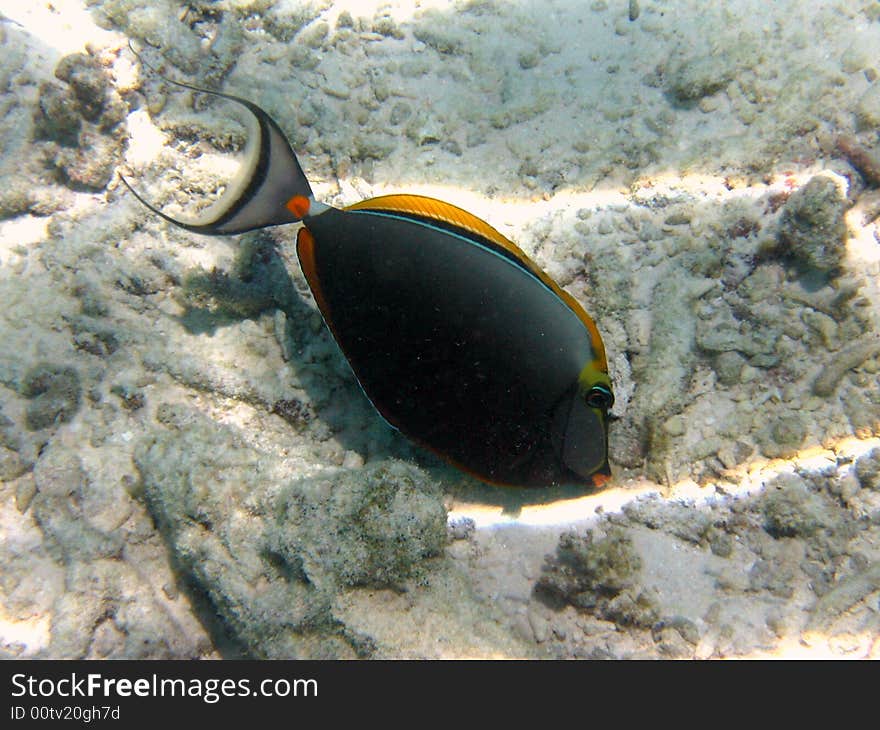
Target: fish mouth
<point>580,438</point>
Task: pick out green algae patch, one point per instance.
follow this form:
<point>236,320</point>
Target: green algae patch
<point>372,526</point>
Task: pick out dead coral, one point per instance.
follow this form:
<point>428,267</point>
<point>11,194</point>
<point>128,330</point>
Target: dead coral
<point>812,231</point>
<point>599,576</point>
<point>791,509</point>
<point>54,392</point>
<point>77,122</point>
<point>379,524</point>
<point>865,161</point>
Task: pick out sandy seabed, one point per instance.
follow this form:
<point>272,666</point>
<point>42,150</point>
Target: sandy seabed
<point>187,466</point>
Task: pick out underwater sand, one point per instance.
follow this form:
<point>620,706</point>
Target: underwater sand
<point>188,468</point>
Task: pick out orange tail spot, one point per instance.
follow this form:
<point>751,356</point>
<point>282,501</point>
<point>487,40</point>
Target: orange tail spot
<point>298,205</point>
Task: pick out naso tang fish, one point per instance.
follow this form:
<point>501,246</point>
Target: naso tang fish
<point>458,339</point>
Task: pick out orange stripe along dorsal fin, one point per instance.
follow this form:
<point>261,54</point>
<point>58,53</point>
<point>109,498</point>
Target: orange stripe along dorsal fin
<point>433,209</point>
<point>420,206</point>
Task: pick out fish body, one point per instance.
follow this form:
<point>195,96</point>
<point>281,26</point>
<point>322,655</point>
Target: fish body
<point>458,339</point>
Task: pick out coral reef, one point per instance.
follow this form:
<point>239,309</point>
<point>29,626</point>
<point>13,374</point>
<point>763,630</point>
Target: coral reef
<point>793,563</point>
<point>274,569</point>
<point>187,465</point>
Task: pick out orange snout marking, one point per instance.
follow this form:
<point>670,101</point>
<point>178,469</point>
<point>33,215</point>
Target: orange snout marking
<point>298,205</point>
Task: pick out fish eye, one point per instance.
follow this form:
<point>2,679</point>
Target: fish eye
<point>600,397</point>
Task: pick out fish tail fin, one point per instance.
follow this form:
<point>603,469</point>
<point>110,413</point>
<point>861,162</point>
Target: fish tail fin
<point>270,189</point>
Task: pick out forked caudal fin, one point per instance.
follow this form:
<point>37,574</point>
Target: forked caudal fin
<point>270,189</point>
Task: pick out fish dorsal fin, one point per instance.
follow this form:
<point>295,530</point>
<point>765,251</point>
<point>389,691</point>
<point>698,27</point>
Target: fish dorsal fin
<point>423,208</point>
<point>420,206</point>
